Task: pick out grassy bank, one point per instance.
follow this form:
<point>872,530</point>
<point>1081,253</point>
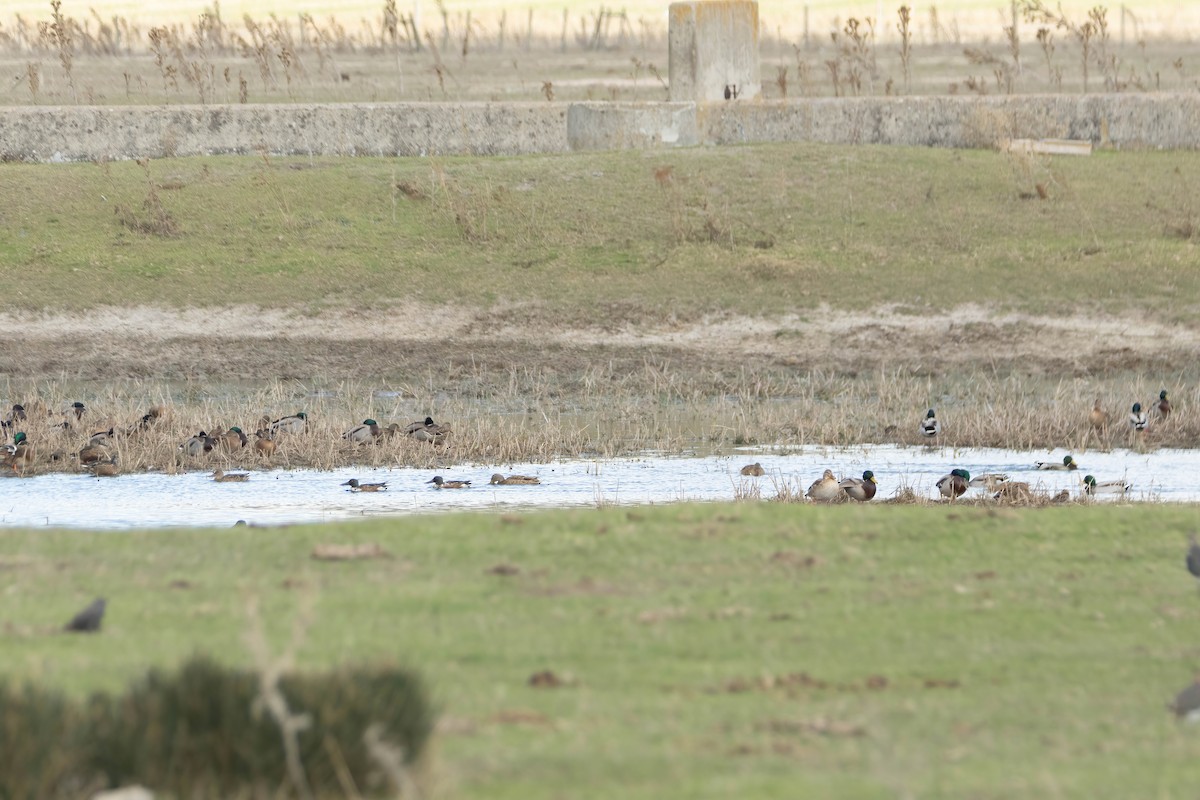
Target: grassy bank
<point>628,236</point>
<point>730,650</point>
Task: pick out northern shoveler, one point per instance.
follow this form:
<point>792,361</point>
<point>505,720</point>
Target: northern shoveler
<point>355,486</point>
<point>513,480</point>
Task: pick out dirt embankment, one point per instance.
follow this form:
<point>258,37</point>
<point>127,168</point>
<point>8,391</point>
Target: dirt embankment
<point>249,342</point>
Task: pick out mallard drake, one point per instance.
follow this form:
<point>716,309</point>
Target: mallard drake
<point>513,480</point>
<point>296,423</point>
<point>221,476</point>
<point>355,486</point>
<point>438,483</point>
<point>367,432</point>
<point>1163,406</point>
<point>988,481</point>
<point>264,443</point>
<point>1098,417</point>
<point>954,484</point>
<point>862,489</point>
<point>19,452</point>
<point>1091,486</point>
<point>427,431</point>
<point>1137,418</point>
<point>105,469</point>
<point>1067,463</point>
<point>233,439</point>
<point>754,470</point>
<point>825,489</point>
<point>198,445</point>
<point>930,426</point>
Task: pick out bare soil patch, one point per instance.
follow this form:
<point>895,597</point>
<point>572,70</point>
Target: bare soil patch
<point>245,342</point>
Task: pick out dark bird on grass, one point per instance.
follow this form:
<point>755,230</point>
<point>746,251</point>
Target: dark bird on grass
<point>438,483</point>
<point>1137,418</point>
<point>88,620</point>
<point>1068,462</point>
<point>1193,557</point>
<point>930,426</point>
<point>514,480</point>
<point>1163,406</point>
<point>427,431</point>
<point>754,470</point>
<point>296,423</point>
<point>862,489</point>
<point>954,484</point>
<point>1186,705</point>
<point>355,486</point>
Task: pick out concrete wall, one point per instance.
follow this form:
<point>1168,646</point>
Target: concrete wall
<point>1137,121</point>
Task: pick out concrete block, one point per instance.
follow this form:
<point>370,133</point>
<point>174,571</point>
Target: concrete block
<point>619,126</point>
<point>714,51</point>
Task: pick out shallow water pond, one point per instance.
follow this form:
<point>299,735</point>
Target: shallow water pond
<point>281,496</point>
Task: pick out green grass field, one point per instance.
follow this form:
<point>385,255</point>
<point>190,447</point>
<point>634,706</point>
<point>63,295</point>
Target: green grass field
<point>751,230</point>
<point>748,650</point>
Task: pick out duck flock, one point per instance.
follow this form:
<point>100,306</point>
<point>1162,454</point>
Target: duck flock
<point>829,488</point>
<point>97,451</point>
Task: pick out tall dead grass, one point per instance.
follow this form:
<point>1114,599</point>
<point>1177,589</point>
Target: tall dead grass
<point>540,416</point>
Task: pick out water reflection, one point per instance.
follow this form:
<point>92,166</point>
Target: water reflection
<point>278,497</point>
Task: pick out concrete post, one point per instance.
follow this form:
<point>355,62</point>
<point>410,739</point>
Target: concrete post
<point>714,51</point>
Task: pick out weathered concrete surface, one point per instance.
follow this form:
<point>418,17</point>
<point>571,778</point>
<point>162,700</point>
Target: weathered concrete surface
<point>1122,121</point>
<point>713,46</point>
<point>70,133</point>
<point>615,126</point>
<point>1125,121</point>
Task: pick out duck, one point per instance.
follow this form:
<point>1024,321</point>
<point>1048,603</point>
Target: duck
<point>514,480</point>
<point>296,423</point>
<point>1013,491</point>
<point>989,481</point>
<point>1068,462</point>
<point>264,443</point>
<point>19,452</point>
<point>439,483</point>
<point>70,415</point>
<point>427,431</point>
<point>355,486</point>
<point>1163,406</point>
<point>102,438</point>
<point>221,476</point>
<point>17,414</point>
<point>233,439</point>
<point>105,469</point>
<point>930,426</point>
<point>825,489</point>
<point>1092,487</point>
<point>1137,418</point>
<point>954,484</point>
<point>754,470</point>
<point>198,445</point>
<point>93,453</point>
<point>367,432</point>
<point>1098,417</point>
<point>858,489</point>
